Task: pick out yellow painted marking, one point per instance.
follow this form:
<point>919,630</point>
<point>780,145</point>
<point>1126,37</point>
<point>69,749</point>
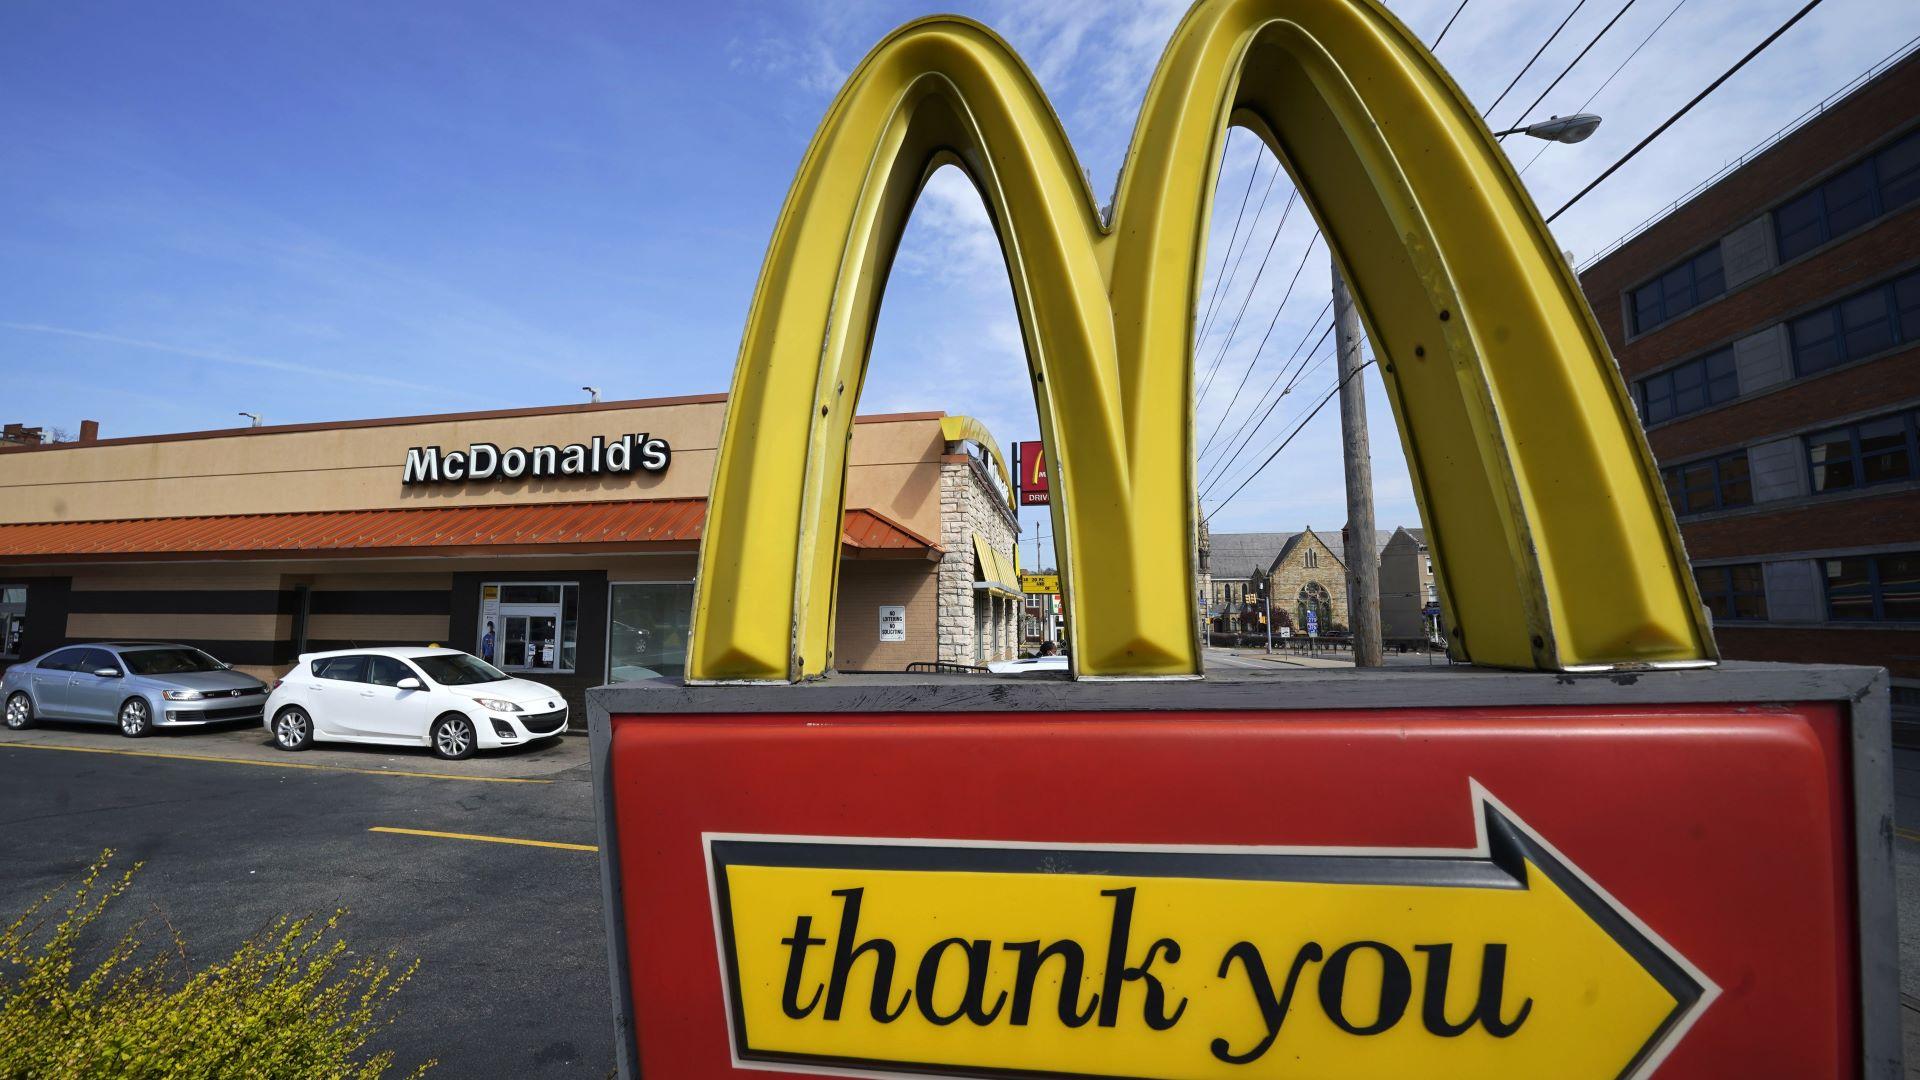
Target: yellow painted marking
<point>1906,834</point>
<point>485,839</point>
<point>273,764</point>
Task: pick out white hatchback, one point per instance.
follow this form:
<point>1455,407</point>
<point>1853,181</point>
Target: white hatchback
<point>442,698</point>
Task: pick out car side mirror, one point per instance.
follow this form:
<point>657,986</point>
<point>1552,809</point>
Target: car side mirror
<point>107,672</point>
<point>408,683</point>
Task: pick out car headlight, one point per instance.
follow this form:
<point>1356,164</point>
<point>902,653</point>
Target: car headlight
<point>182,695</point>
<point>495,704</point>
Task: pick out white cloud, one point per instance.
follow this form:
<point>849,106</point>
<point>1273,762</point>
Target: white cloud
<point>311,371</point>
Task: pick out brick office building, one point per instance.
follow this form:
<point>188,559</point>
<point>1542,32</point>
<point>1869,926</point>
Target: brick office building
<point>1769,328</point>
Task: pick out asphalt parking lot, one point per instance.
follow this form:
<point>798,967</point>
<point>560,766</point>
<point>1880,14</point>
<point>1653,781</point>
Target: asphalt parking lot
<point>234,833</point>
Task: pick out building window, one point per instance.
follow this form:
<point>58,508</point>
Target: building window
<point>1861,325</point>
<point>1714,484</point>
<point>1312,559</point>
<point>1679,290</point>
<point>1882,183</point>
<point>530,626</point>
<point>1314,599</point>
<point>648,623</point>
<point>13,620</point>
<point>1733,593</point>
<point>1877,451</point>
<point>1690,387</point>
<point>1878,588</point>
<point>1433,595</point>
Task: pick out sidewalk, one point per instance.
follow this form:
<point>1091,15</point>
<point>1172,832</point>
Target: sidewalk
<point>1291,659</point>
<point>250,744</point>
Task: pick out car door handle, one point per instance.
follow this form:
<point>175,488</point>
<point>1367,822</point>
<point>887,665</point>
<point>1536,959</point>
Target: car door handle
<point>366,693</point>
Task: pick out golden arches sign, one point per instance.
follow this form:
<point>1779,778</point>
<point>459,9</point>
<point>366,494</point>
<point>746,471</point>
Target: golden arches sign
<point>1552,538</point>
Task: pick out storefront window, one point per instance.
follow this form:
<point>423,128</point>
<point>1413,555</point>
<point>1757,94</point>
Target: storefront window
<point>13,619</point>
<point>530,627</point>
<point>648,623</point>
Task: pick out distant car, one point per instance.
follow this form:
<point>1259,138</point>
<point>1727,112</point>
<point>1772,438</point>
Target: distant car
<point>445,699</point>
<point>136,685</point>
<point>1029,665</point>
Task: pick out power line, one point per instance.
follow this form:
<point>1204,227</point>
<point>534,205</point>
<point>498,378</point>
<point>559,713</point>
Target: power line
<point>1687,108</point>
<point>1227,466</point>
<point>1449,26</point>
<point>1578,4</point>
<point>1609,79</point>
<point>1223,465</point>
<point>1253,174</point>
<point>1235,271</point>
<point>1234,327</point>
<point>1265,393</point>
<point>1255,358</point>
<point>1290,436</point>
<point>1221,477</point>
<point>1518,120</point>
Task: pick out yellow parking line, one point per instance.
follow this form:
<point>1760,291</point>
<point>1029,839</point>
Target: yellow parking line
<point>271,764</point>
<point>486,839</point>
<point>1906,834</point>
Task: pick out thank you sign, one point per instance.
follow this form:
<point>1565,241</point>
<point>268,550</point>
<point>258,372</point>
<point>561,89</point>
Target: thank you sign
<point>979,959</point>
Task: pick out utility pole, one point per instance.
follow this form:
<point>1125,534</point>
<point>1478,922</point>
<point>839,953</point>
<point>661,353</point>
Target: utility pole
<point>1363,563</point>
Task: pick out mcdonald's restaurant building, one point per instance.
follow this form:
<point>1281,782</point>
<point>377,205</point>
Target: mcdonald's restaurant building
<point>558,542</point>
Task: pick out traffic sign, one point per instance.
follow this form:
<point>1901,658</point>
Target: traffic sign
<point>1040,583</point>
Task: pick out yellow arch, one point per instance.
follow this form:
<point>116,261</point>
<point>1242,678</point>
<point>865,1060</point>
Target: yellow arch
<point>1551,532</point>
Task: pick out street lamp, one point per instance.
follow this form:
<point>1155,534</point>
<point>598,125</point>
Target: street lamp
<point>1565,129</point>
<point>253,416</point>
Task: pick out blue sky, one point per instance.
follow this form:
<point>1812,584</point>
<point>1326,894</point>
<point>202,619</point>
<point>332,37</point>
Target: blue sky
<point>333,211</point>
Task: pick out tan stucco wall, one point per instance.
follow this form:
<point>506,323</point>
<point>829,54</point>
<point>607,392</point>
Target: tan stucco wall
<point>894,468</point>
<point>864,586</point>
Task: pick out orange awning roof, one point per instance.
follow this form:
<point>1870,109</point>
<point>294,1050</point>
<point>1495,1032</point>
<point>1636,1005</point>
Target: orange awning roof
<point>444,530</point>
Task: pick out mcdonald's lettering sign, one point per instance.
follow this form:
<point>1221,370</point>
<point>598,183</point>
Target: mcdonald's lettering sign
<point>1555,549</point>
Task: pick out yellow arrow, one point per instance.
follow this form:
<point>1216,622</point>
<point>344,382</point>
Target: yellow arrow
<point>870,957</point>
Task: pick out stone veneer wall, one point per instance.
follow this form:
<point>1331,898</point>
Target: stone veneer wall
<point>969,506</point>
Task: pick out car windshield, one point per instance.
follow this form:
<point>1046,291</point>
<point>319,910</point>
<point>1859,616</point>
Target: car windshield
<point>175,661</point>
<point>459,669</point>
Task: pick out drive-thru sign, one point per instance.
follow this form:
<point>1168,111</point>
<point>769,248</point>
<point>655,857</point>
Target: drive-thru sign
<point>1612,859</point>
<point>1428,873</point>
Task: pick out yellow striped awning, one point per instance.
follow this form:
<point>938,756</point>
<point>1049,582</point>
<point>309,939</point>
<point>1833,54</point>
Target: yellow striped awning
<point>996,570</point>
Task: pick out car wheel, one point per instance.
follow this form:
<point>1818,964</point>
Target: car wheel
<point>453,737</point>
<point>19,711</point>
<point>136,718</point>
<point>293,729</point>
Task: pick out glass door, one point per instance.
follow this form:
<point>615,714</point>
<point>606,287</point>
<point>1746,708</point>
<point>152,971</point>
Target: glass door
<point>536,626</point>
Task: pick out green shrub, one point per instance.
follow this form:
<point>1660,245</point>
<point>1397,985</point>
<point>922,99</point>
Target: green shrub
<point>291,1002</point>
